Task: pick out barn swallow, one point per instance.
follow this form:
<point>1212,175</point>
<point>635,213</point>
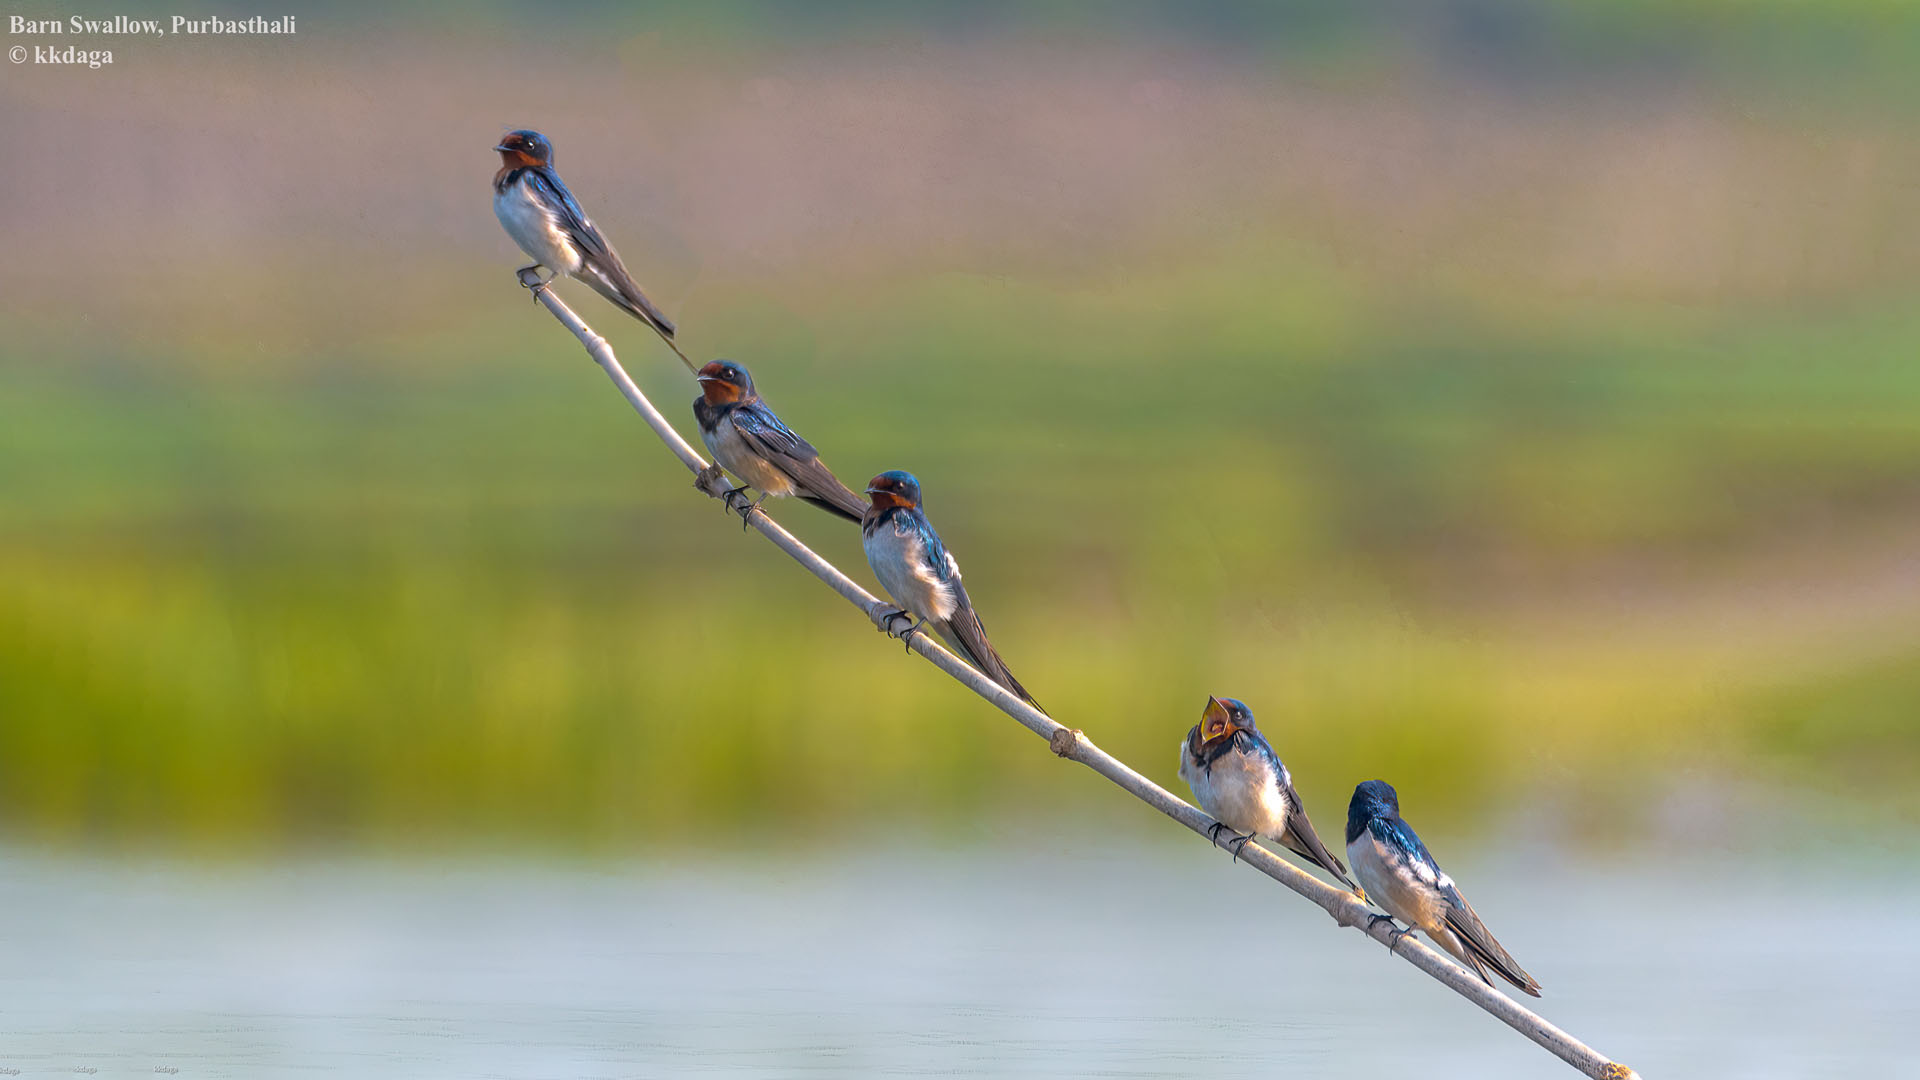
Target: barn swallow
<point>1401,877</point>
<point>921,575</point>
<point>746,437</point>
<point>1239,780</point>
<point>541,215</point>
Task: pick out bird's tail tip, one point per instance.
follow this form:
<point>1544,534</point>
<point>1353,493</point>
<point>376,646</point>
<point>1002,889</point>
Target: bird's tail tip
<point>1013,685</point>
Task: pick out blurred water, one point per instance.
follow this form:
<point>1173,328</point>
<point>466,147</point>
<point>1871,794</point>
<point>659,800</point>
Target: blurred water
<point>1110,961</point>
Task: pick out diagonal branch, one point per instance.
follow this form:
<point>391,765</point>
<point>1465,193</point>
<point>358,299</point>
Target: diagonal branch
<point>1345,908</point>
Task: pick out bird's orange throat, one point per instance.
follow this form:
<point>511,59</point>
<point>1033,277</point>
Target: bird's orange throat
<point>719,393</point>
<point>518,159</point>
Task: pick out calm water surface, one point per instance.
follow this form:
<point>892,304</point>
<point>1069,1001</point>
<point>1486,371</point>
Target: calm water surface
<point>1101,961</point>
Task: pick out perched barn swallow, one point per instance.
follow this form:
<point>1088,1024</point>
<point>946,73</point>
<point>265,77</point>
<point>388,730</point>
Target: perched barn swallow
<point>921,575</point>
<point>746,437</point>
<point>1237,778</point>
<point>538,211</point>
<point>1401,876</point>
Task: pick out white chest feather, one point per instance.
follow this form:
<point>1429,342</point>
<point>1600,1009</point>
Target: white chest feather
<point>898,559</point>
<point>1239,790</point>
<point>535,228</point>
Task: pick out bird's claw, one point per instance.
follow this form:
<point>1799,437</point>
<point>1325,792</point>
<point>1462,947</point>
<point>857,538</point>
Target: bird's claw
<point>905,635</point>
<point>536,284</point>
<point>1237,844</point>
<point>742,507</point>
<point>1393,936</point>
<point>1234,845</point>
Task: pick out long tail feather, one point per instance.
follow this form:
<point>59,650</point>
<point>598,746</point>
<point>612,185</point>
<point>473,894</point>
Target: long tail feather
<point>619,289</point>
<point>1456,948</point>
<point>1304,842</point>
<point>613,283</point>
<point>964,634</point>
<point>833,507</point>
<point>1475,939</point>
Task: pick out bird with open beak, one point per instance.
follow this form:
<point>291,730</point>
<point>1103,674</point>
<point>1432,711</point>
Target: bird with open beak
<point>1403,879</point>
<point>1238,779</point>
<point>746,437</point>
<point>920,574</point>
<point>541,215</point>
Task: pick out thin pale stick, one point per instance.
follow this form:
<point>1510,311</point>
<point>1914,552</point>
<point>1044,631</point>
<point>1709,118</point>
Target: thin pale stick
<point>1345,908</point>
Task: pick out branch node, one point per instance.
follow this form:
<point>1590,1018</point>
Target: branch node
<point>1617,1071</point>
<point>711,482</point>
<point>882,615</point>
<point>1064,741</point>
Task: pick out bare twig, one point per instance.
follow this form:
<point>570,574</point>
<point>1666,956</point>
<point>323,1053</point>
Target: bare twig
<point>1345,908</point>
<point>530,278</point>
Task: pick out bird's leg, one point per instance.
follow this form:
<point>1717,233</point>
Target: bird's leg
<point>1237,844</point>
<point>1393,938</point>
<point>906,635</point>
<point>746,514</point>
<point>1214,830</point>
<point>537,283</point>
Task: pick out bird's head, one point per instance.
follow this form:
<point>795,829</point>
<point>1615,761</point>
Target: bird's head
<point>724,382</point>
<point>1373,799</point>
<point>525,149</point>
<point>894,488</point>
<point>1222,718</point>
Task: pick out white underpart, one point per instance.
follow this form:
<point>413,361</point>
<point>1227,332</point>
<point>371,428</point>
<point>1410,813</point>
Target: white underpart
<point>730,450</point>
<point>535,228</point>
<point>1413,897</point>
<point>898,559</point>
<point>1239,791</point>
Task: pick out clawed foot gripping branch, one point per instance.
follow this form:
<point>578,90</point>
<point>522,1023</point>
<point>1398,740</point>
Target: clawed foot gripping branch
<point>1345,908</point>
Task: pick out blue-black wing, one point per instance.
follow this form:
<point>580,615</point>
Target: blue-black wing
<point>1461,919</point>
<point>964,633</point>
<point>1300,836</point>
<point>1399,838</point>
<point>602,269</point>
<point>781,446</point>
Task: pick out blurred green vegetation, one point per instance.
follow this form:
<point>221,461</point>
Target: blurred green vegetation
<point>476,599</point>
<point>298,553</point>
